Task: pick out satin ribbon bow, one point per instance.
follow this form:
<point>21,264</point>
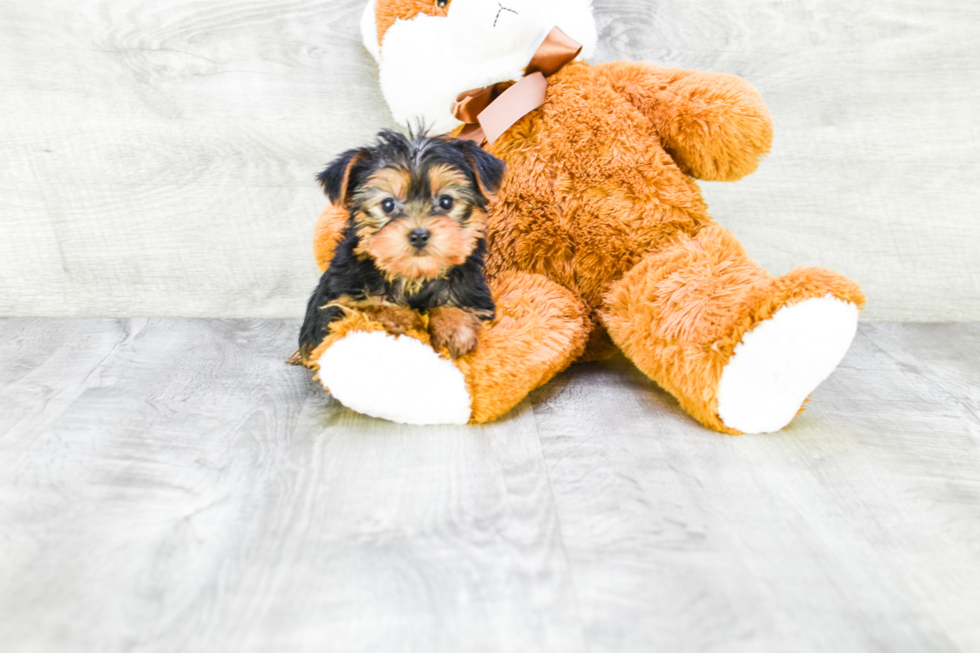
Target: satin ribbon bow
<point>490,111</point>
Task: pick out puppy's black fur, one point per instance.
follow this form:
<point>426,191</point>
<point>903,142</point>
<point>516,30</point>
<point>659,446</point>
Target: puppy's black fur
<point>354,276</point>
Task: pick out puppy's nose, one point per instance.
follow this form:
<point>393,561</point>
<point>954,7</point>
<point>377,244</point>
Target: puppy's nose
<point>418,237</point>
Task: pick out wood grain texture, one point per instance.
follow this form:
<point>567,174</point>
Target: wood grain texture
<point>396,538</point>
<point>169,485</point>
<point>157,158</point>
<point>125,501</point>
<point>190,492</point>
<point>857,528</point>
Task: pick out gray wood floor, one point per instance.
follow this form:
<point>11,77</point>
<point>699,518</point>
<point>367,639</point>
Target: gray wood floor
<point>171,485</point>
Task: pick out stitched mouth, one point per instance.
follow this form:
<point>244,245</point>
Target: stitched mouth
<point>500,11</point>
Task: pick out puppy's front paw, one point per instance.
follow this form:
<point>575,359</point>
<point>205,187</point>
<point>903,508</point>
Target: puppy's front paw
<point>454,329</point>
<point>397,320</point>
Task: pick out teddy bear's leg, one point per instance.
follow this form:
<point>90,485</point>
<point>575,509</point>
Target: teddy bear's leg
<point>539,330</point>
<point>740,349</point>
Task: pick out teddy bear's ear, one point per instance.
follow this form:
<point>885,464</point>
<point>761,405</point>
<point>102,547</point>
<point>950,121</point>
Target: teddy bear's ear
<point>336,179</point>
<point>488,169</point>
<point>369,30</point>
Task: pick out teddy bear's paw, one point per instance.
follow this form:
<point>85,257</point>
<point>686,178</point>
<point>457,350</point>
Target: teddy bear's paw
<point>781,361</point>
<point>398,379</point>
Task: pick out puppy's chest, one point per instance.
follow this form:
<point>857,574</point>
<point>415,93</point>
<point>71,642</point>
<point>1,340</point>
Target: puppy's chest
<point>419,295</point>
<point>364,282</point>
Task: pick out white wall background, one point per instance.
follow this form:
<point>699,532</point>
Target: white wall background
<point>157,157</point>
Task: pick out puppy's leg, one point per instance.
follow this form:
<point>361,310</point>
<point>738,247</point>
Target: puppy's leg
<point>455,329</point>
<point>314,330</point>
<point>396,320</point>
<point>322,309</point>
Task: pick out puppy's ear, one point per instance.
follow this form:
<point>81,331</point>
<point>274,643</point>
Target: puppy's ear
<point>488,169</point>
<point>336,179</point>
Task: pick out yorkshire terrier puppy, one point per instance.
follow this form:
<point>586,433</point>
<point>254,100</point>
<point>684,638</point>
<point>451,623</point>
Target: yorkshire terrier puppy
<point>411,255</point>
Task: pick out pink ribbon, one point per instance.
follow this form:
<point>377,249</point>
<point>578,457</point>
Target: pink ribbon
<point>490,111</point>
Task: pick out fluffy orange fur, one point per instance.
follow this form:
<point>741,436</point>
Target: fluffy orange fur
<point>387,12</point>
<point>454,330</point>
<point>599,237</point>
<point>326,234</point>
<point>356,321</point>
<point>539,330</point>
<point>397,320</point>
<point>679,314</point>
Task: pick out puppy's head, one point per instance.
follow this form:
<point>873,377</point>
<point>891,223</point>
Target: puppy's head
<point>418,203</point>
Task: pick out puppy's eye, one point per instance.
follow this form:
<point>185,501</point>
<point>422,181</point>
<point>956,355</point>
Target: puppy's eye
<point>442,3</point>
<point>446,203</point>
<point>388,205</point>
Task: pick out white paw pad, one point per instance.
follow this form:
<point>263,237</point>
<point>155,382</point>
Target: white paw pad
<point>397,379</point>
<point>781,361</point>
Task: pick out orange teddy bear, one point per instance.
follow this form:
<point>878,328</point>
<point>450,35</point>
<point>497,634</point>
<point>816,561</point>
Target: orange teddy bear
<point>599,238</point>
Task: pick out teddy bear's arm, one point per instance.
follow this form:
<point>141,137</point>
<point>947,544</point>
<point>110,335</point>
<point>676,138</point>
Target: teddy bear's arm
<point>714,125</point>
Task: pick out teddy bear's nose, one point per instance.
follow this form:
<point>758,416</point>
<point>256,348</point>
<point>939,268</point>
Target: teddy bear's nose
<point>418,238</point>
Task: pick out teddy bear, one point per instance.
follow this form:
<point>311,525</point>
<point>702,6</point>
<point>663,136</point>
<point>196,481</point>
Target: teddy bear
<point>599,240</point>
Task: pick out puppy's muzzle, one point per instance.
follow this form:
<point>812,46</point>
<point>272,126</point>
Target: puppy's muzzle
<point>418,238</point>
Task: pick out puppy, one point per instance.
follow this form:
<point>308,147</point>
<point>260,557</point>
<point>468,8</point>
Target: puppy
<point>411,255</point>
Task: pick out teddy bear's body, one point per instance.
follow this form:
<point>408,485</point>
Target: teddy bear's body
<point>600,199</point>
<point>614,194</point>
<point>584,218</point>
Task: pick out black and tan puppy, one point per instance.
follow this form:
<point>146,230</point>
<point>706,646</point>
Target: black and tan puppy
<point>414,241</point>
